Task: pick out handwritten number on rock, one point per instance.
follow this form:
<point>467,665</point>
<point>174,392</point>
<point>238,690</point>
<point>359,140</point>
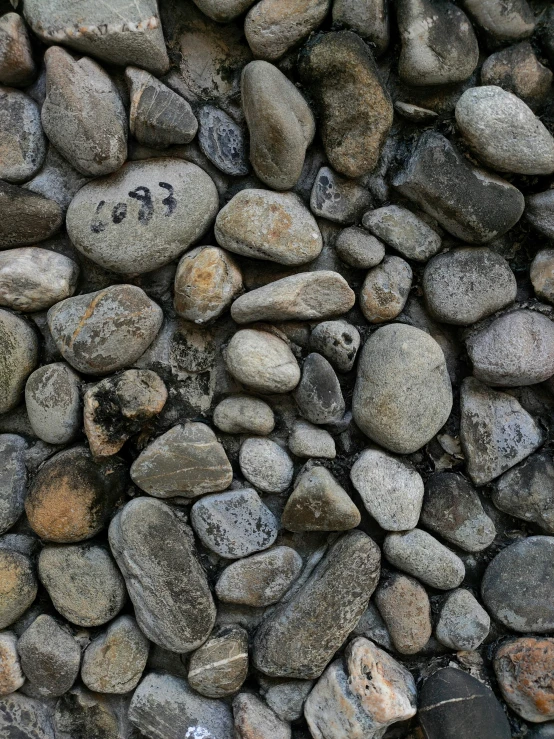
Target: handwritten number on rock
<point>146,210</point>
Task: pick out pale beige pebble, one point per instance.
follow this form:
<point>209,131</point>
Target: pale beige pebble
<point>307,440</point>
<point>262,361</point>
<point>542,274</point>
<point>405,608</point>
<point>243,414</point>
<point>386,289</point>
<point>255,720</point>
<point>17,67</point>
<point>11,675</point>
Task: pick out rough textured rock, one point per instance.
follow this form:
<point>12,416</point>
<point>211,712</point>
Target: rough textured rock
<point>269,225</point>
<point>370,20</point>
<point>421,555</point>
<point>26,716</point>
<point>13,479</point>
<point>18,358</point>
<point>156,553</point>
<point>463,623</point>
<point>222,141</point>
<point>25,217</point>
<point>286,698</point>
<point>53,402</point>
<point>527,491</point>
<point>517,70</point>
<point>358,248</point>
<point>266,465</point>
<point>404,231</point>
<point>300,636</point>
<point>318,394</point>
<point>18,586</point>
<point>80,714</point>
<point>21,137</point>
<point>509,20</point>
<point>254,720</point>
<point>338,199</point>
<point>542,274</point>
<point>17,67</point>
<point>243,414</point>
<point>402,395</point>
<point>404,606</point>
<point>338,342</point>
<point>11,676</point>
<point>356,111</point>
<point>385,290</point>
<point>143,216</point>
<point>262,362</point>
<point>220,666</point>
<point>539,211</point>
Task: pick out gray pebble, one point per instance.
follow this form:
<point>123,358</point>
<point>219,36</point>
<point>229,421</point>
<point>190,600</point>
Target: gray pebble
<point>319,395</point>
<point>385,290</point>
<point>405,608</point>
<point>13,479</point>
<point>11,677</point>
<point>404,231</point>
<point>254,719</point>
<point>262,362</point>
<point>517,70</point>
<point>222,141</point>
<point>287,698</point>
<point>338,342</point>
<point>539,211</point>
<point>337,198</point>
<point>243,414</point>
<point>53,402</point>
<point>17,67</point>
<point>421,555</point>
<point>463,622</point>
<point>223,11</point>
<point>18,358</point>
<point>358,248</point>
<point>542,274</point>
<point>266,465</point>
<point>57,180</point>
<point>25,217</point>
<point>80,714</point>
<point>19,585</point>
<point>527,491</point>
<point>21,137</point>
<point>220,666</point>
<point>368,18</point>
<point>372,627</point>
<point>306,440</point>
<point>504,20</point>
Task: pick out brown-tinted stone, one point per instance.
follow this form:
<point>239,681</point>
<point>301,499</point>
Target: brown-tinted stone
<point>385,290</point>
<point>220,666</point>
<point>18,586</point>
<point>26,217</point>
<point>11,676</point>
<point>17,67</point>
<point>404,605</point>
<point>255,720</point>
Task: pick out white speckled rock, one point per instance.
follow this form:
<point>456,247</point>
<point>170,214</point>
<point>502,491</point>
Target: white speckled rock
<point>421,555</point>
<point>262,362</point>
<point>266,465</point>
<point>53,402</point>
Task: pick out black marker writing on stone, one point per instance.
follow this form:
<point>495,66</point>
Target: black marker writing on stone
<point>119,212</point>
<point>169,202</point>
<point>146,211</point>
<point>97,226</point>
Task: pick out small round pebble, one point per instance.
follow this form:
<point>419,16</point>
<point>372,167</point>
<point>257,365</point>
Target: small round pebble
<point>319,394</point>
<point>385,290</point>
<point>358,248</point>
<point>463,623</point>
<point>404,231</point>
<point>266,465</point>
<point>220,666</point>
<point>262,362</point>
<point>243,414</point>
<point>307,440</point>
<point>338,342</point>
<point>421,555</point>
<point>404,605</point>
<point>53,402</point>
<point>542,274</point>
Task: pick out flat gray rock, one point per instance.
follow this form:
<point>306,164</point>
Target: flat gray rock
<point>222,141</point>
<point>307,440</point>
<point>58,180</point>
<point>337,198</point>
<point>243,414</point>
<point>386,289</point>
<point>421,555</point>
<point>504,21</point>
<point>286,698</point>
<point>266,465</point>
<point>17,359</point>
<point>13,479</point>
<point>527,491</point>
<point>21,137</point>
<point>26,217</point>
<point>463,622</point>
<point>53,402</point>
<point>262,362</point>
<point>404,231</point>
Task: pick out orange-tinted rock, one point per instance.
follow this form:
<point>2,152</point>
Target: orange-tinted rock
<point>18,586</point>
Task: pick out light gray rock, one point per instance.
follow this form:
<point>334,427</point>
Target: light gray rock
<point>527,491</point>
<point>115,220</point>
<point>25,217</point>
<point>114,661</point>
<point>19,585</point>
<point>262,362</point>
<point>421,555</point>
<point>53,403</point>
<point>11,678</point>
<point>21,137</point>
<point>57,180</point>
<point>319,394</point>
<point>504,20</point>
<point>463,622</point>
<point>369,19</point>
<point>13,479</point>
<point>358,248</point>
<point>83,115</point>
<point>464,285</point>
<point>187,461</point>
<point>280,123</point>
<point>120,33</point>
<point>266,465</point>
<point>18,358</point>
<point>104,331</point>
<point>286,698</point>
<point>539,211</point>
<point>50,656</point>
<point>338,342</point>
<point>300,636</point>
<point>504,132</point>
<point>17,67</point>
<point>155,551</point>
<point>254,720</point>
<point>220,666</point>
<point>495,431</point>
<point>404,231</point>
<point>261,579</point>
<point>517,70</point>
<point>270,226</point>
<point>337,198</point>
<point>391,490</point>
<point>307,440</point>
<point>223,141</point>
<point>243,414</point>
<point>223,10</point>
<point>402,395</point>
<point>302,297</point>
<point>385,290</point>
<point>165,707</point>
<point>542,274</point>
<point>406,611</point>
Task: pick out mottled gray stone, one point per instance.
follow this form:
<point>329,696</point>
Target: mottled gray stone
<point>222,141</point>
<point>262,362</point>
<point>385,290</point>
<point>517,70</point>
<point>80,714</point>
<point>405,608</point>
<point>11,676</point>
<point>21,137</point>
<point>358,248</point>
<point>254,720</point>
<point>286,698</point>
<point>337,198</point>
<point>368,18</point>
<point>527,491</point>
<point>53,402</point>
<point>266,465</point>
<point>13,479</point>
<point>338,342</point>
<point>421,555</point>
<point>539,211</point>
<point>243,414</point>
<point>307,440</point>
<point>25,718</point>
<point>57,180</point>
<point>542,274</point>
<point>504,20</point>
<point>25,217</point>
<point>220,666</point>
<point>463,623</point>
<point>319,395</point>
<point>156,553</point>
<point>19,585</point>
<point>18,358</point>
<point>17,67</point>
<point>404,231</point>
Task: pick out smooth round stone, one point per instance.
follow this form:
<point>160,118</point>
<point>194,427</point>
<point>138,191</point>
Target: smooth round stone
<point>21,138</point>
<point>50,656</point>
<point>115,220</point>
<point>73,497</point>
<point>107,330</point>
<point>18,358</point>
<point>242,414</point>
<point>83,583</point>
<point>13,479</point>
<point>539,211</point>
<point>358,248</point>
<point>421,555</point>
<point>222,141</point>
<point>25,217</point>
<point>307,440</point>
<point>463,623</point>
<point>319,394</point>
<point>220,666</point>
<point>404,231</point>
<point>280,123</point>
<point>518,585</point>
<point>17,67</point>
<point>338,341</point>
<point>261,579</point>
<point>337,198</point>
<point>271,226</point>
<point>527,491</point>
<point>370,20</point>
<point>262,361</point>
<point>53,402</point>
<point>287,698</point>
<point>504,132</point>
<point>254,719</point>
<point>402,395</point>
<point>517,70</point>
<point>391,490</point>
<point>464,285</point>
<point>504,22</point>
<point>18,586</point>
<point>115,660</point>
<point>404,605</point>
<point>542,274</point>
<point>11,676</point>
<point>385,290</point>
<point>266,465</point>
<point>223,11</point>
<point>515,349</point>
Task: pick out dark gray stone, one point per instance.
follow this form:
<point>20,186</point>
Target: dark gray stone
<point>21,138</point>
<point>504,20</point>
<point>338,342</point>
<point>319,395</point>
<point>539,211</point>
<point>222,141</point>
<point>25,217</point>
<point>527,491</point>
<point>25,718</point>
<point>368,18</point>
<point>518,70</point>
<point>81,714</point>
<point>13,479</point>
<point>337,198</point>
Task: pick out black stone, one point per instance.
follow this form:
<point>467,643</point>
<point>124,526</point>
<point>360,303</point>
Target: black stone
<point>222,141</point>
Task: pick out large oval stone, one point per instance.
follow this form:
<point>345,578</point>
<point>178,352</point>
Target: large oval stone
<point>17,359</point>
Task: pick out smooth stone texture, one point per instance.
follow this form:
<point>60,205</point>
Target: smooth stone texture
<point>319,395</point>
<point>158,117</point>
<point>516,349</point>
<point>262,362</point>
<point>361,695</point>
<point>272,27</point>
<point>261,579</point>
<point>464,285</point>
<point>338,342</point>
<point>307,440</point>
<point>33,279</point>
<point>517,70</point>
<point>26,716</point>
<point>223,10</point>
<point>13,479</point>
<point>234,524</point>
<point>280,123</point>
<point>254,720</point>
<point>287,698</point>
<point>187,460</point>
<point>165,707</point>
<point>83,583</point>
<point>57,180</point>
<point>463,623</point>
<point>504,20</point>
<point>391,490</point>
<point>539,211</point>
<point>518,585</point>
<point>402,395</point>
<point>131,224</point>
<point>243,414</point>
<point>308,296</point>
<point>452,509</point>
<point>504,132</point>
<point>421,555</point>
<point>355,109</point>
<point>300,636</point>
<point>385,290</point>
<point>319,503</point>
<point>337,198</point>
<point>119,33</point>
<point>404,231</point>
<point>53,402</point>
<point>17,67</point>
<point>405,608</point>
<point>222,141</point>
<point>271,226</point>
<point>542,274</point>
<point>18,586</point>
<point>21,138</point>
<point>25,217</point>
<point>115,660</point>
<point>470,204</point>
<point>439,46</point>
<point>50,656</point>
<point>527,491</point>
<point>449,694</point>
<point>11,676</point>
<point>495,431</point>
<point>358,248</point>
<point>368,18</point>
<point>18,358</point>
<point>156,553</point>
<point>266,465</point>
<point>220,666</point>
